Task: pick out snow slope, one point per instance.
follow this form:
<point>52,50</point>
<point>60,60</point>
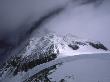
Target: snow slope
<point>45,53</point>
<point>64,45</point>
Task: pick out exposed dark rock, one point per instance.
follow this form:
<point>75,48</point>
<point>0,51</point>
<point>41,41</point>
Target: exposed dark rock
<point>98,46</point>
<point>74,47</point>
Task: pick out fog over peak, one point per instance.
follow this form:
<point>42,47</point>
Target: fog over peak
<point>54,41</point>
<point>84,18</point>
<point>88,21</point>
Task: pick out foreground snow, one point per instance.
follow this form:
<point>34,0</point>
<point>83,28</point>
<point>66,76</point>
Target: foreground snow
<point>79,68</point>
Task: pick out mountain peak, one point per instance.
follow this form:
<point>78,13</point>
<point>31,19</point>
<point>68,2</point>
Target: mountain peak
<point>46,48</point>
<point>61,43</point>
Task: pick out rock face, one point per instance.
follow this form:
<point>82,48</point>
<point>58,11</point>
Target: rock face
<point>44,49</point>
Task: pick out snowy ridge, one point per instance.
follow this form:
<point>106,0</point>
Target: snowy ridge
<point>68,44</point>
<point>44,49</point>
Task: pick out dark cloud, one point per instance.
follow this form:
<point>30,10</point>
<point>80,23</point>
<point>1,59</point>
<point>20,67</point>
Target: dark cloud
<point>85,18</point>
<point>16,32</point>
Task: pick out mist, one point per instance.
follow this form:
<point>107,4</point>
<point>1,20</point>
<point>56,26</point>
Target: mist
<point>20,14</point>
<point>25,57</point>
<point>18,19</point>
<point>90,21</point>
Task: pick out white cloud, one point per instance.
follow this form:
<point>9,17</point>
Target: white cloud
<point>86,21</point>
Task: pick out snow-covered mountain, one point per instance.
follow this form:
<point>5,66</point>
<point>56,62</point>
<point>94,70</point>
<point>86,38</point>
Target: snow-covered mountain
<point>44,49</point>
<point>64,45</point>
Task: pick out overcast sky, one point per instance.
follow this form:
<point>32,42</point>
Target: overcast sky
<point>91,21</point>
<point>88,19</point>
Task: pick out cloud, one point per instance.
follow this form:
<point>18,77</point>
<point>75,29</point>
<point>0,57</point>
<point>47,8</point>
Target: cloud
<point>87,20</point>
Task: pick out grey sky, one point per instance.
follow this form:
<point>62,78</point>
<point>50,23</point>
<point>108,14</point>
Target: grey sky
<point>90,21</point>
<point>18,17</point>
<point>86,21</point>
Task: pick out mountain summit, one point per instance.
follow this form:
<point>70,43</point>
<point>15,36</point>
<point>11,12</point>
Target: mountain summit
<point>62,45</point>
<point>43,49</point>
